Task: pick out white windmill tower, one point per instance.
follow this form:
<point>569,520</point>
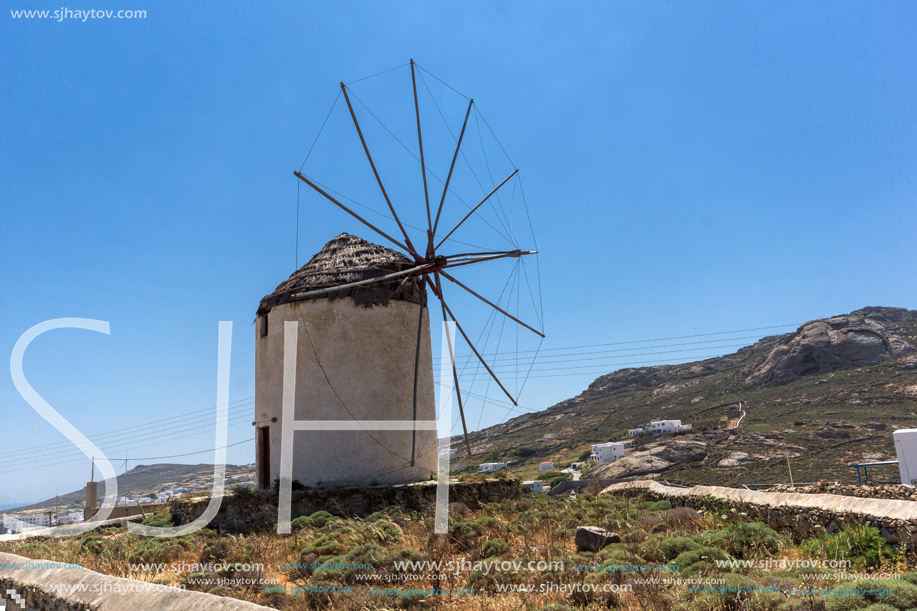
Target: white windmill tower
<point>364,349</point>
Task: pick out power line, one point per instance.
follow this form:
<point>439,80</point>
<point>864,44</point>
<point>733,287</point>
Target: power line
<point>660,339</point>
<point>238,443</point>
<point>148,428</point>
<point>122,446</point>
<point>575,352</point>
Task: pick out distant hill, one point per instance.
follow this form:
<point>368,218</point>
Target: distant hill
<point>148,479</point>
<point>828,394</point>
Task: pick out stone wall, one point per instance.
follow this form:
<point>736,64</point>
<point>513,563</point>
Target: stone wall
<point>44,585</point>
<point>876,491</point>
<point>803,515</point>
<point>242,513</point>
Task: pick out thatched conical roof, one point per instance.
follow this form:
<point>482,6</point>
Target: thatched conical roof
<point>343,260</point>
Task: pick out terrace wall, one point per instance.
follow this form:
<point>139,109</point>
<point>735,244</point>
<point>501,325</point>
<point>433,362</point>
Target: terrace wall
<point>805,515</point>
<point>242,513</point>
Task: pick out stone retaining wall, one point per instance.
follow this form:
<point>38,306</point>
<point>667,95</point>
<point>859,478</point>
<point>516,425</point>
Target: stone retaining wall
<point>258,510</point>
<point>41,585</point>
<point>805,515</point>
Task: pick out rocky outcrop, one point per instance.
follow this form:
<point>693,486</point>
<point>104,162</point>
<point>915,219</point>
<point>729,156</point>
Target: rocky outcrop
<point>863,337</point>
<point>634,377</point>
<point>737,459</point>
<point>593,538</point>
<point>656,457</point>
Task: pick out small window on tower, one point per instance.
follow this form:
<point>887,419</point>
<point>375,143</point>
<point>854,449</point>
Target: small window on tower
<point>264,326</point>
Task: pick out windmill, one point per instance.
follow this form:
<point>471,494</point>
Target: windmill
<point>433,254</point>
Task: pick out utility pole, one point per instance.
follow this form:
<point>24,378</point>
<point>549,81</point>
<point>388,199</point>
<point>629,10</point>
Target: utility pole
<point>56,510</point>
<point>789,467</point>
<point>125,477</point>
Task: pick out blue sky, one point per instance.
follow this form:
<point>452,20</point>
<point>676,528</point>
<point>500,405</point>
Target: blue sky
<point>689,168</point>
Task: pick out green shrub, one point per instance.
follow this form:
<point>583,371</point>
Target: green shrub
<point>402,555</point>
<point>319,519</point>
<point>217,551</point>
<point>465,533</point>
<point>494,547</point>
<point>160,549</point>
<point>552,476</point>
<point>489,522</point>
<point>698,561</point>
<point>244,492</point>
<point>525,451</point>
<point>382,531</point>
<point>752,538</point>
<point>670,548</point>
<point>326,545</point>
<point>159,520</point>
<point>716,537</point>
<point>863,546</point>
<point>860,594</point>
<point>663,505</point>
<point>92,544</point>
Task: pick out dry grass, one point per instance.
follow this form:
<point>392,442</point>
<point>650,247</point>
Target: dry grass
<point>525,530</point>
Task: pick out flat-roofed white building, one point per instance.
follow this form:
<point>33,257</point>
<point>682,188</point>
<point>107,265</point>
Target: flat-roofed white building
<point>17,523</point>
<point>534,485</point>
<point>490,467</point>
<point>607,452</point>
<point>668,426</point>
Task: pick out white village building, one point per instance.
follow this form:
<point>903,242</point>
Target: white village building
<point>607,452</point>
<point>490,467</point>
<point>658,427</point>
<point>16,523</point>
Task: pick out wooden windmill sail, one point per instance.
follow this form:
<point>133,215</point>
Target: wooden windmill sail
<point>432,256</point>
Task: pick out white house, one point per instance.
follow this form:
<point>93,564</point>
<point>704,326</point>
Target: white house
<point>546,466</point>
<point>27,521</point>
<point>534,485</point>
<point>549,437</point>
<point>658,427</point>
<point>607,452</point>
<point>70,518</point>
<point>490,467</point>
<point>668,426</point>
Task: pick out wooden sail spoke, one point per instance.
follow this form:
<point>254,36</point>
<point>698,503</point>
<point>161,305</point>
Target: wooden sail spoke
<point>369,157</point>
<point>437,290</point>
<point>350,212</point>
<point>473,349</point>
<point>455,155</point>
<point>475,209</point>
<point>491,304</point>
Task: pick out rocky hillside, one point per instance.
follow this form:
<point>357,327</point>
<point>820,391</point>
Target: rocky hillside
<point>828,394</point>
<point>148,479</point>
